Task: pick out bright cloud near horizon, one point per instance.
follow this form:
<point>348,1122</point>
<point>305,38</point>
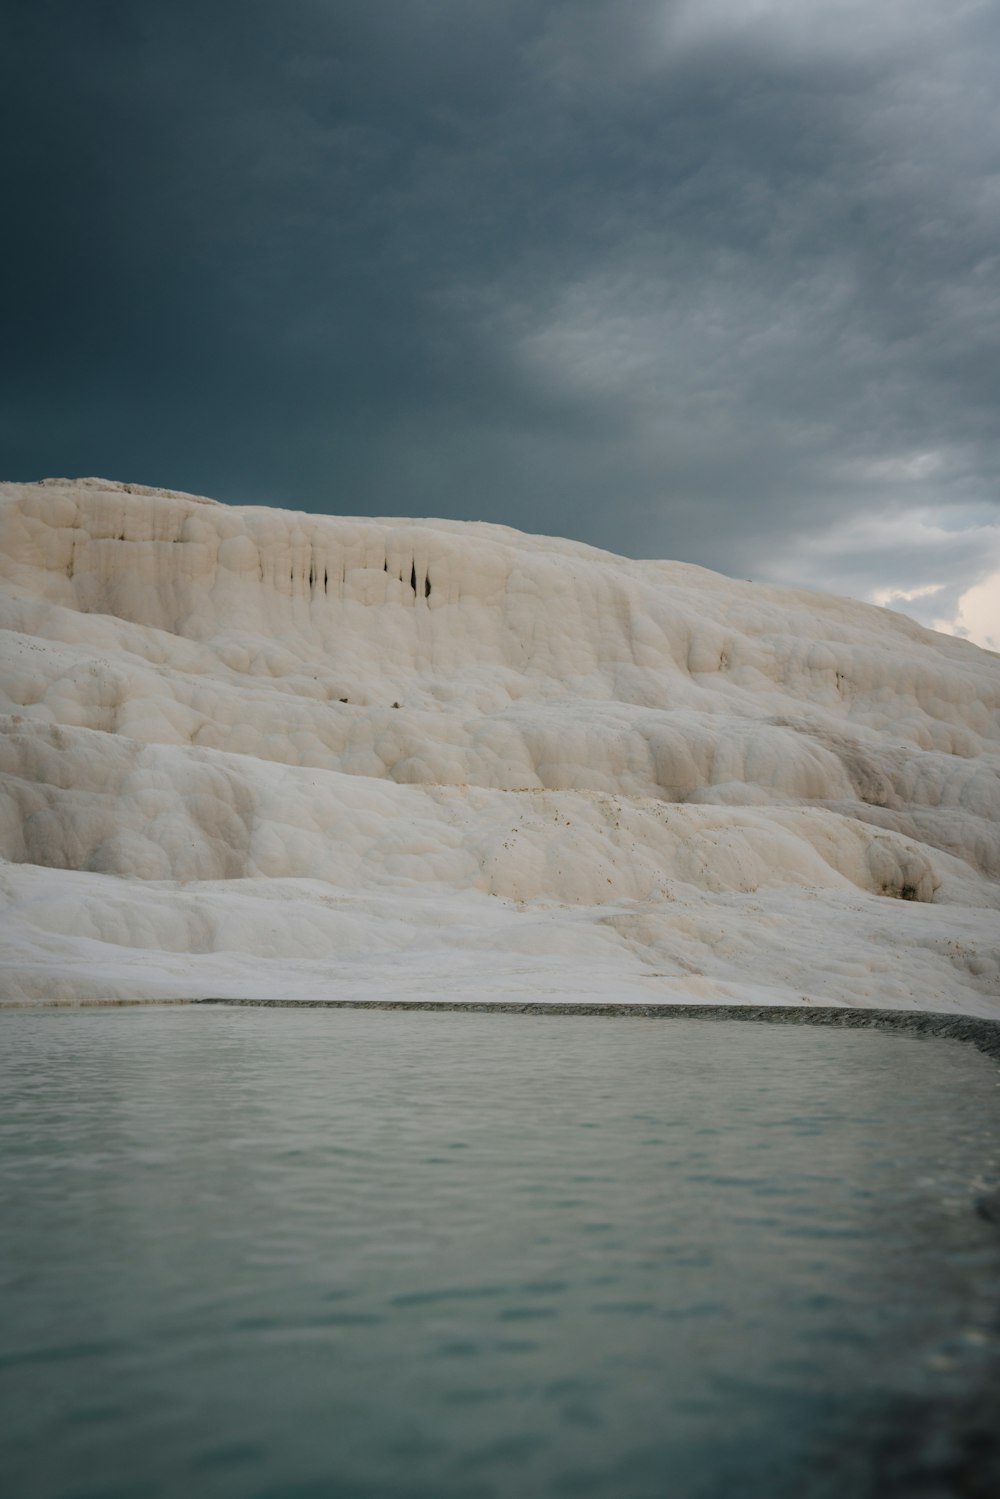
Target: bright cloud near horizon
<point>716,280</point>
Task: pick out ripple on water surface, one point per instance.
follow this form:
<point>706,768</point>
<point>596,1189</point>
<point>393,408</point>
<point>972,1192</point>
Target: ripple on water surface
<point>260,1254</point>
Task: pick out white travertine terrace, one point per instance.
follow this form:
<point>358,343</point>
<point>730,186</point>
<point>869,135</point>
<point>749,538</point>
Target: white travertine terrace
<point>250,752</point>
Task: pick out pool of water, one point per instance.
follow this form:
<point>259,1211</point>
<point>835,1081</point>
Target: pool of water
<point>277,1254</point>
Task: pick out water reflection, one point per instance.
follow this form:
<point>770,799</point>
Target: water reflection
<point>252,1252</point>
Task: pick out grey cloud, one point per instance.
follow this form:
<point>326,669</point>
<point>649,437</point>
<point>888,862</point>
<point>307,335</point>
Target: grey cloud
<point>649,275</point>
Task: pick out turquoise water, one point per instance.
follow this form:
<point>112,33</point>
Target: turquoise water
<point>268,1254</point>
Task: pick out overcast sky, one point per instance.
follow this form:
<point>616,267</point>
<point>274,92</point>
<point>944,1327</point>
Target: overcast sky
<point>709,279</point>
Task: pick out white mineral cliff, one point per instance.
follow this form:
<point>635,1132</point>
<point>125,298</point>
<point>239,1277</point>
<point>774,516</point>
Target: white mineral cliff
<point>250,752</point>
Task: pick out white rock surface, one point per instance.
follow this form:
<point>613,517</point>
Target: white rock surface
<point>253,752</point>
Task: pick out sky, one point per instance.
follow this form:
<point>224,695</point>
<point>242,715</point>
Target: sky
<point>715,280</point>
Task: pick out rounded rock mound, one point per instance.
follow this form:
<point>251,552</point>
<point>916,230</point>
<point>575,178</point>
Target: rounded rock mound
<point>249,748</point>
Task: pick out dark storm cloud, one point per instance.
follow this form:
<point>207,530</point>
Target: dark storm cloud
<point>709,280</point>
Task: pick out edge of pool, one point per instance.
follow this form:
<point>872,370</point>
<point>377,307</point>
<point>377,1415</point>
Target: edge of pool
<point>978,1031</point>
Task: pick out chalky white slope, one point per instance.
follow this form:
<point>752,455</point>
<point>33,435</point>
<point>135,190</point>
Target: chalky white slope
<point>252,752</point>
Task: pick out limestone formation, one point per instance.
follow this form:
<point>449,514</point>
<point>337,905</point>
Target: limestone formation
<point>249,751</point>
